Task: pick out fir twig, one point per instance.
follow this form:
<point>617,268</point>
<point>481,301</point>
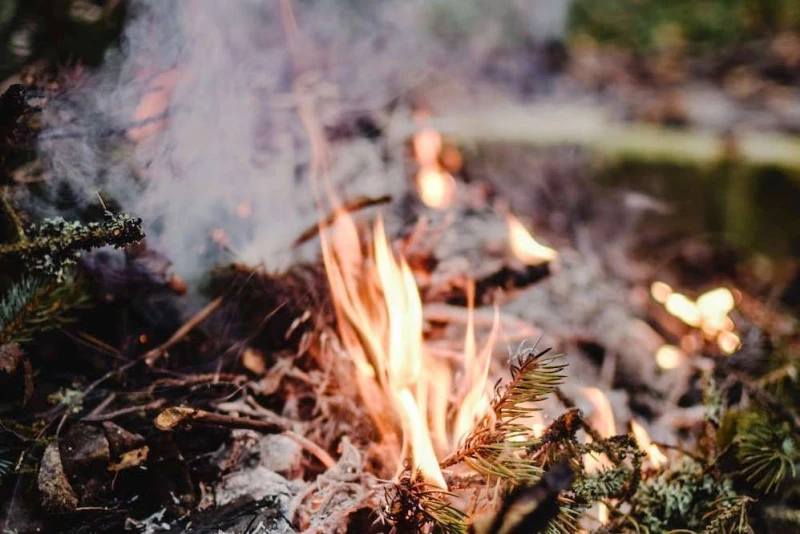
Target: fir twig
<point>56,243</point>
<point>34,305</point>
<point>497,445</point>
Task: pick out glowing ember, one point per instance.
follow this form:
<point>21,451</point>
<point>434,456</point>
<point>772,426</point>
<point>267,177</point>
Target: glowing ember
<point>715,302</point>
<point>669,357</point>
<point>379,316</point>
<point>728,342</point>
<point>656,457</point>
<point>437,188</point>
<point>660,291</point>
<point>683,308</point>
<point>524,247</point>
<point>709,313</point>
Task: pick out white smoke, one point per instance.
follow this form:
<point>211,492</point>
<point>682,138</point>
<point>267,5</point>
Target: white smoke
<point>232,153</point>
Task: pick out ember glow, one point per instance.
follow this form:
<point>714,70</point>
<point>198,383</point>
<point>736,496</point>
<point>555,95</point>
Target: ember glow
<point>709,313</point>
<point>436,187</point>
<point>407,389</point>
<point>523,245</point>
<point>660,292</point>
<point>669,357</point>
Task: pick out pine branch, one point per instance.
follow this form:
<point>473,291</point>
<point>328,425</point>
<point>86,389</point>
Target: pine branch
<point>34,305</point>
<point>412,506</point>
<point>497,447</point>
<point>768,451</point>
<point>56,244</point>
<point>729,516</point>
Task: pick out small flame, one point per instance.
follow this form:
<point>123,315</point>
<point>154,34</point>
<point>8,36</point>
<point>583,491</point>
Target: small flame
<point>602,418</point>
<point>437,188</point>
<point>683,308</point>
<point>523,245</point>
<point>716,302</point>
<point>603,514</point>
<point>654,454</point>
<point>379,315</point>
<point>728,342</point>
<point>669,357</point>
<point>602,414</point>
<point>660,291</point>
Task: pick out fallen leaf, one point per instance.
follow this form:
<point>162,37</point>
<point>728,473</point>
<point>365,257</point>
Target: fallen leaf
<point>130,459</point>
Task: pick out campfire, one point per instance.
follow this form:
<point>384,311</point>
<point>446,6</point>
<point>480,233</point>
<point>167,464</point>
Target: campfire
<point>289,267</point>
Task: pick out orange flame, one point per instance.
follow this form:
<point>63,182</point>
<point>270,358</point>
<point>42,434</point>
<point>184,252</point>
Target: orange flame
<point>523,245</point>
<point>654,454</point>
<point>379,316</point>
<point>602,418</point>
<point>436,187</point>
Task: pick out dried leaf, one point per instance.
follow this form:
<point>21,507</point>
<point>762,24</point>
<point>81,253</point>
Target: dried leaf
<point>172,417</point>
<point>253,360</point>
<point>130,459</point>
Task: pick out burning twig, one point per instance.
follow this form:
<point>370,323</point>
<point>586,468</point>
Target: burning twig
<point>153,355</point>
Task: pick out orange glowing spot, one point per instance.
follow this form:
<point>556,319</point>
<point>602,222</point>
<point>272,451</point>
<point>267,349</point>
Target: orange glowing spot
<point>683,308</point>
<point>657,458</point>
<point>451,158</point>
<point>437,188</point>
<point>660,291</point>
<point>143,338</point>
<point>728,342</point>
<point>523,245</point>
<point>669,357</point>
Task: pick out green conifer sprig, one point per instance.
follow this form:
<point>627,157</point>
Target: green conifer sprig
<point>497,446</point>
<point>768,451</point>
<point>413,506</point>
<point>35,305</point>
